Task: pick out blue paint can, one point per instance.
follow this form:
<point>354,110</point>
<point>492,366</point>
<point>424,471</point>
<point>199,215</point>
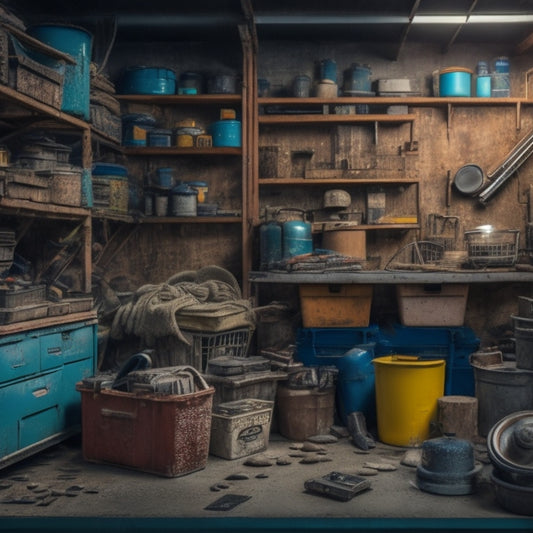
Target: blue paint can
<point>328,70</point>
<point>455,81</point>
<point>226,133</point>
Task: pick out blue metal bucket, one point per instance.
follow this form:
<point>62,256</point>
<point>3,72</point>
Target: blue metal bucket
<point>76,42</point>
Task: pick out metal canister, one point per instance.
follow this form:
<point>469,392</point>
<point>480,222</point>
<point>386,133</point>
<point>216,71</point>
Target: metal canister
<point>297,235</point>
<point>270,242</point>
<point>184,201</point>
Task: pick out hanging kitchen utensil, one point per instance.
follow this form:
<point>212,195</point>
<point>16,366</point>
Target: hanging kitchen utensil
<point>443,230</point>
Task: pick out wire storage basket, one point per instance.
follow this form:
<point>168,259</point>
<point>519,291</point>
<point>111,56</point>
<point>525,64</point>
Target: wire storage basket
<point>208,345</point>
<point>491,248</point>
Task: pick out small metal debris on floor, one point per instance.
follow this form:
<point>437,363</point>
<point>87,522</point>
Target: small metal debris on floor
<point>227,502</point>
<point>338,486</point>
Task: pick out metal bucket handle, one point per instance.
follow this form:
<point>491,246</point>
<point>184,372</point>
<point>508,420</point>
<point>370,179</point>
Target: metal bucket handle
<point>302,212</point>
<point>202,383</point>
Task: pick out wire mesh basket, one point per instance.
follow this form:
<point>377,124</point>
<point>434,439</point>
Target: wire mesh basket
<point>492,247</point>
<point>415,255</point>
<point>229,343</point>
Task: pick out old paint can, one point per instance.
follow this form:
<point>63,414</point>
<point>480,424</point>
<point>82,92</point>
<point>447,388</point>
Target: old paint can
<point>184,201</point>
<point>226,133</point>
<point>302,86</point>
<point>328,70</point>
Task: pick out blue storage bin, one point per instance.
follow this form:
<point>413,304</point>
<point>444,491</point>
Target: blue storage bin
<point>324,346</point>
<point>148,80</point>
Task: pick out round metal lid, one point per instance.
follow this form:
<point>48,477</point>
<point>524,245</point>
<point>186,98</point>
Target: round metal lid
<point>510,443</point>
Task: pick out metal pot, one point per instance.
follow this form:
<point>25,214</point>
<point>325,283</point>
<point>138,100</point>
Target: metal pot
<point>447,466</point>
<point>510,447</point>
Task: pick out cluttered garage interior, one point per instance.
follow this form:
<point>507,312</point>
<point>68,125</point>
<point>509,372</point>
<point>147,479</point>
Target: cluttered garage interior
<point>266,265</point>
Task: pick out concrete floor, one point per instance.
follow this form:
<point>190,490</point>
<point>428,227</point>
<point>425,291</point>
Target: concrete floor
<point>58,490</point>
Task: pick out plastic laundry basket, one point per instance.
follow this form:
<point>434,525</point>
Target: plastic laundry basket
<point>407,389</point>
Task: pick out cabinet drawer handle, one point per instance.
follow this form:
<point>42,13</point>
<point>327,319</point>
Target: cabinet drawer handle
<point>39,393</point>
<point>19,365</point>
<point>118,414</point>
<point>56,350</point>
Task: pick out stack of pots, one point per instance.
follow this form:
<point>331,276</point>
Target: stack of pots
<point>523,332</point>
<point>510,447</point>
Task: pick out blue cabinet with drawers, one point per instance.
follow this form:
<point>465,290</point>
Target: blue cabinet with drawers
<point>39,369</point>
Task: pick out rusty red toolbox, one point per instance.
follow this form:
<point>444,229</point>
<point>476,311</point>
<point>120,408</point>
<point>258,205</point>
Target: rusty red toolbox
<point>167,435</point>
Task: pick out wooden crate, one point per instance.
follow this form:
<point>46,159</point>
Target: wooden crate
<point>65,186</point>
<point>105,122</point>
<point>29,77</point>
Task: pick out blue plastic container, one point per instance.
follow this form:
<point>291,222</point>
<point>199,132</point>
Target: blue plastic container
<point>325,346</point>
<point>328,70</point>
<point>159,137</point>
<point>357,79</point>
<point>455,81</point>
<point>165,177</point>
<point>135,128</point>
<point>109,169</point>
<point>356,389</point>
<point>76,42</point>
<point>148,80</point>
<point>483,86</point>
<point>226,133</point>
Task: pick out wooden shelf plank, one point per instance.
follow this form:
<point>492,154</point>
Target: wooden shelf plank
<point>173,150</point>
<point>177,99</point>
<point>339,181</point>
<point>335,119</point>
<point>191,220</point>
<point>37,209</point>
<point>395,100</point>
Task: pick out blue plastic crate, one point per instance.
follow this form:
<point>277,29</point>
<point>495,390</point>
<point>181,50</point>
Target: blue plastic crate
<point>324,346</point>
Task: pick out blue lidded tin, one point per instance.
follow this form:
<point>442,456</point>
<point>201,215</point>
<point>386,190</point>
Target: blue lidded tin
<point>148,80</point>
<point>455,81</point>
<point>159,137</point>
<point>328,70</point>
<point>135,127</point>
<point>165,177</point>
<point>226,133</point>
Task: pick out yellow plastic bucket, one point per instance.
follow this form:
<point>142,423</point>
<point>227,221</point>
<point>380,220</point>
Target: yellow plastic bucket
<point>407,389</point>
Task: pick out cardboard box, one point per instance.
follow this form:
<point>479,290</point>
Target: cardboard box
<point>335,305</point>
<point>432,304</point>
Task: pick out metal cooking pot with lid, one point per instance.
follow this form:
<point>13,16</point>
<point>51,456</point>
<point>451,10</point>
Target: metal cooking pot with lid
<point>447,466</point>
<point>510,447</point>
